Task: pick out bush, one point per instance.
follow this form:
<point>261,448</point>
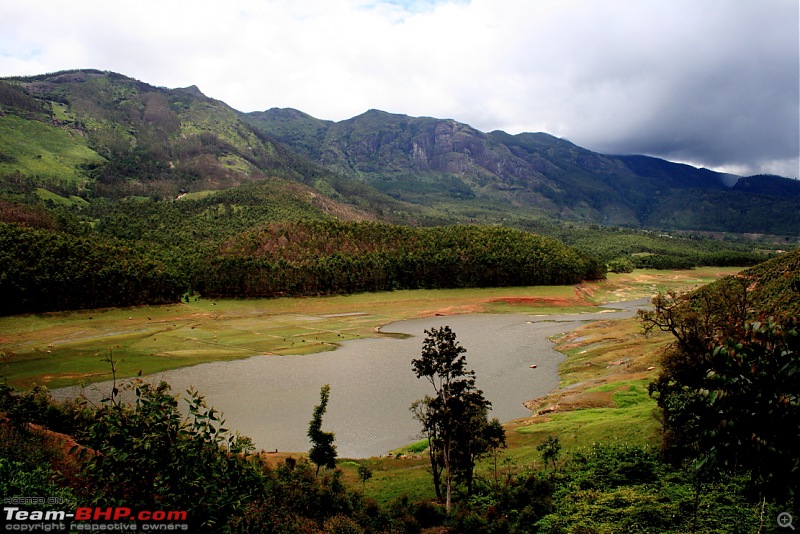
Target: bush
<point>620,265</point>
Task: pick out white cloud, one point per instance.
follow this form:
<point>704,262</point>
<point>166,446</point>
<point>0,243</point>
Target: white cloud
<point>715,82</point>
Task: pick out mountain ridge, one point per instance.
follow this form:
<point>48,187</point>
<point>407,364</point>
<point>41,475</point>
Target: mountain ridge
<point>409,158</point>
<point>154,141</point>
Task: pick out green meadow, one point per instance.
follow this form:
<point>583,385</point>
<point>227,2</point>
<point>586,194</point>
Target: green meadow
<point>64,348</point>
<point>35,148</point>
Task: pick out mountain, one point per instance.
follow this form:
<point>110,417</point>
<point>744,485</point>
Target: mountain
<point>451,166</point>
<point>197,192</point>
<point>86,134</point>
<point>89,133</point>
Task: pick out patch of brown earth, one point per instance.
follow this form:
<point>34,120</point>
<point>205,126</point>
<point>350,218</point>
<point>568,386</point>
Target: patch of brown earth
<point>49,378</point>
<point>542,301</point>
<point>566,400</point>
<point>453,310</point>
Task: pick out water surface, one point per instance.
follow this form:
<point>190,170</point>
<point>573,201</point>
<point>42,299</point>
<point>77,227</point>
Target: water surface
<point>271,398</point>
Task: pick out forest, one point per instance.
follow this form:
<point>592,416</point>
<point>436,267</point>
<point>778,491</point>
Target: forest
<point>48,270</point>
<point>272,238</point>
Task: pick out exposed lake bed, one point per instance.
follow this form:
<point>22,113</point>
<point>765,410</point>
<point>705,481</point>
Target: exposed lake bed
<point>270,398</point>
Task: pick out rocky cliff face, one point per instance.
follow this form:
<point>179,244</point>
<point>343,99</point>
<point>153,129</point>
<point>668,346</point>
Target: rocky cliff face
<point>438,161</point>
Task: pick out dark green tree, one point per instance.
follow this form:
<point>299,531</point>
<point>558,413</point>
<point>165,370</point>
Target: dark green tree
<point>454,420</point>
<point>323,451</point>
<point>364,473</point>
<point>751,401</point>
<point>551,450</point>
<point>728,391</point>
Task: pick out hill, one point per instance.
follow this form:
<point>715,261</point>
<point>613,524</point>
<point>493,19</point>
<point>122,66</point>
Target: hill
<point>452,166</point>
<point>89,133</point>
<point>100,134</point>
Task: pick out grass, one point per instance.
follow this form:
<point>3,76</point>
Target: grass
<point>628,417</point>
<point>648,282</point>
<point>40,149</point>
<point>72,200</point>
<point>59,349</point>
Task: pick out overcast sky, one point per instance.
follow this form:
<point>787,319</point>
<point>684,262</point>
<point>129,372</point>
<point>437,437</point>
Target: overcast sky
<point>715,83</point>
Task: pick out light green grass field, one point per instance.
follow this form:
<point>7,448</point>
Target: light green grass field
<point>59,349</point>
<point>41,149</point>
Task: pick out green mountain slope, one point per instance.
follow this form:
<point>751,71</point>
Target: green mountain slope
<point>451,166</point>
<point>33,147</point>
<point>102,134</point>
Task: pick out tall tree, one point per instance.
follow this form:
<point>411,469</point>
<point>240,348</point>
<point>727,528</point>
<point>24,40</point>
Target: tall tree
<point>455,420</point>
<point>323,451</point>
<point>728,391</point>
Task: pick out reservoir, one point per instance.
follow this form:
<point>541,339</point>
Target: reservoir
<point>271,398</point>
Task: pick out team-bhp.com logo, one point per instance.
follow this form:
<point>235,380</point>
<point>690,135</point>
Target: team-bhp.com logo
<point>94,519</point>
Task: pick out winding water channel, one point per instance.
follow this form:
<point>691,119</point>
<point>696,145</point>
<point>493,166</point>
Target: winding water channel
<point>271,398</point>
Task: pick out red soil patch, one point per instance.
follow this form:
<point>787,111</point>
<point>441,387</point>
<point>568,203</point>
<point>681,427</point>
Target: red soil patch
<point>543,301</point>
<point>454,310</point>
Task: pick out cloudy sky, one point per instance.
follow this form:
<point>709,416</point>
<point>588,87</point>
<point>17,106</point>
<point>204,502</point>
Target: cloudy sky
<point>715,83</point>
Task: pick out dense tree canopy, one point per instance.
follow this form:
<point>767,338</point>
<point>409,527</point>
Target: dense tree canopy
<point>729,392</point>
<point>42,271</point>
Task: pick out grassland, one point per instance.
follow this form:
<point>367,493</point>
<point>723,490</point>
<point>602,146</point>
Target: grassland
<point>58,349</point>
<point>36,148</point>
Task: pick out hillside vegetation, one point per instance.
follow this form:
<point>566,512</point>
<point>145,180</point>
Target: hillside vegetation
<point>454,167</point>
<point>102,134</point>
<point>335,257</point>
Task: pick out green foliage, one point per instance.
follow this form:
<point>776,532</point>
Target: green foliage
<point>455,421</point>
<point>29,463</point>
<point>551,450</point>
<point>148,456</point>
<point>42,271</point>
<point>18,478</point>
<point>728,390</point>
<point>773,285</point>
<point>641,249</point>
<point>617,488</point>
<point>620,265</point>
<point>335,257</point>
<point>323,451</point>
<point>752,401</point>
<point>364,473</point>
<point>39,149</point>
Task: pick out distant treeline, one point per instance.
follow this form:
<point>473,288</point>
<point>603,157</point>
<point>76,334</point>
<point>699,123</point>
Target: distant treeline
<point>323,257</point>
<point>652,250</point>
<point>44,270</point>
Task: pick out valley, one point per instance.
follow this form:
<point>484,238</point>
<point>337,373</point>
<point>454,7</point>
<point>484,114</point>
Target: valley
<point>149,233</point>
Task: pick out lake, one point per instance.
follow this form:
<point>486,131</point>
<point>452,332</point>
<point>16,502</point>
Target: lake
<point>271,398</point>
